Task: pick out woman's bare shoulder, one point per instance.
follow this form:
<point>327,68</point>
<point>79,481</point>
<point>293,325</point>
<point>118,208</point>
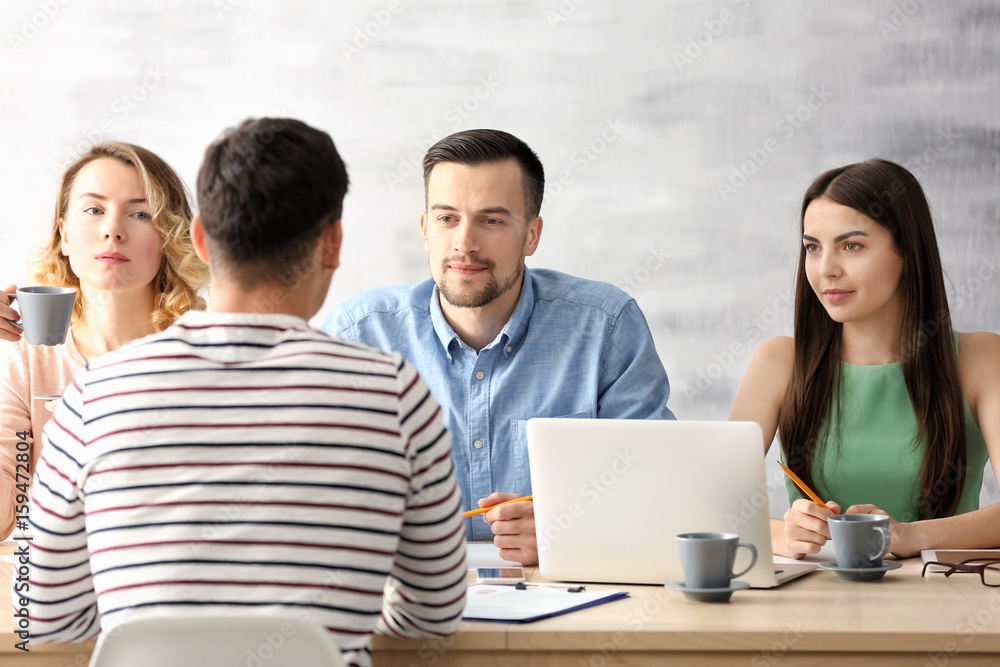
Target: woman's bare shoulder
<point>779,351</point>
<point>979,356</point>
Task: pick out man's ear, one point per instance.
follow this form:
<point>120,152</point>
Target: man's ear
<point>423,230</point>
<point>533,236</point>
<point>198,239</point>
<point>330,240</point>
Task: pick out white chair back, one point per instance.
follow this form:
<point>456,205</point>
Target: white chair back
<point>217,639</point>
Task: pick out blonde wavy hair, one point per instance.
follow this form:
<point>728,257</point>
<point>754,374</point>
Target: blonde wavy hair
<point>181,272</point>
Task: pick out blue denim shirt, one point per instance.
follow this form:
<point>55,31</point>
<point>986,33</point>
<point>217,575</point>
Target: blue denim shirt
<point>571,348</point>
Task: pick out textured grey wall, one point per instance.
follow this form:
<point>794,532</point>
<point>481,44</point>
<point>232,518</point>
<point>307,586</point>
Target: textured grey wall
<point>678,136</point>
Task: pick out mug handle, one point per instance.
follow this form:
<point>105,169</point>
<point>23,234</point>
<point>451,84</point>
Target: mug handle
<point>753,558</point>
<point>13,297</point>
<point>883,533</point>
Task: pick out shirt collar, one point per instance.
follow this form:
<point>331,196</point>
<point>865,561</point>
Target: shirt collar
<point>511,333</point>
<point>208,318</point>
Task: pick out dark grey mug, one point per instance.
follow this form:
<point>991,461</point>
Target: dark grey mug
<point>707,558</point>
<point>45,313</point>
<point>860,540</point>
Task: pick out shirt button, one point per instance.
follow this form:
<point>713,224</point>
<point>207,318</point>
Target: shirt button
<point>509,349</point>
<point>478,444</point>
<point>480,375</point>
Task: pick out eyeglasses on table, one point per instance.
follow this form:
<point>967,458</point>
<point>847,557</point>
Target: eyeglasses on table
<point>987,569</point>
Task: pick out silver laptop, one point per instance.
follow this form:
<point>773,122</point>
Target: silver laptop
<point>611,494</point>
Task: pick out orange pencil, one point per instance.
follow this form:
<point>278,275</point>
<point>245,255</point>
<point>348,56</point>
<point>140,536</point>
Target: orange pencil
<point>484,510</point>
<point>799,483</point>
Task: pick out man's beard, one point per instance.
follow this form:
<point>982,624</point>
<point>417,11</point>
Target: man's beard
<point>490,292</point>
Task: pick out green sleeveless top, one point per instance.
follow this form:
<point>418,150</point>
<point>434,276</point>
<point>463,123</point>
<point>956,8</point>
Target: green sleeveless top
<point>875,459</point>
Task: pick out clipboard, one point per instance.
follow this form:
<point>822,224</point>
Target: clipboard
<point>505,604</point>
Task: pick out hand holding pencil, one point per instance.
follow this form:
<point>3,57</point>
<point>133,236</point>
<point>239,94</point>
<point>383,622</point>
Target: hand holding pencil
<point>805,529</point>
<point>484,510</point>
<point>512,522</point>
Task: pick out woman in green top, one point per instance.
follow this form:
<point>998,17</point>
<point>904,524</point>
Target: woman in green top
<point>879,406</point>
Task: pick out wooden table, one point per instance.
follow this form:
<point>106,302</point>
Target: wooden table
<point>816,620</point>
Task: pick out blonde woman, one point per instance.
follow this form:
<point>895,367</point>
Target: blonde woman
<point>120,237</point>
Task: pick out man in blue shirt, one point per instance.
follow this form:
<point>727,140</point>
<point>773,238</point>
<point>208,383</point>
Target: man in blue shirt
<point>498,344</point>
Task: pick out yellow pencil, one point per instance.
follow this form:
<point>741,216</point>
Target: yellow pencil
<point>484,510</point>
<point>799,483</point>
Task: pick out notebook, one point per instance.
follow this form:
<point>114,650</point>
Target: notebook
<point>610,495</point>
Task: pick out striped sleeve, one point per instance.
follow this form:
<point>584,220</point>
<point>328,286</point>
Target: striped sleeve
<point>425,592</point>
<point>60,596</point>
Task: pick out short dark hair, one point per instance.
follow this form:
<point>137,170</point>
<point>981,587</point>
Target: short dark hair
<point>476,147</point>
<point>266,190</point>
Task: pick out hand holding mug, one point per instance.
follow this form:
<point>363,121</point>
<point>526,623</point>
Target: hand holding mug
<point>8,330</point>
<point>45,313</point>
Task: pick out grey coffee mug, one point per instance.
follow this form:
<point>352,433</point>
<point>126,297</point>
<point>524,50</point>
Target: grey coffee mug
<point>860,540</point>
<point>45,313</point>
<point>708,558</point>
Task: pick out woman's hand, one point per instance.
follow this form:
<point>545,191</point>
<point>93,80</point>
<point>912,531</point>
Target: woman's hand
<point>902,540</point>
<point>7,330</point>
<point>806,529</point>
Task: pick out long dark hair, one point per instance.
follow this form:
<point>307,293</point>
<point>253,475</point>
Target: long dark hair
<point>891,196</point>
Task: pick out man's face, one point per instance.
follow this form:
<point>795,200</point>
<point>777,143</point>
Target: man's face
<point>476,234</point>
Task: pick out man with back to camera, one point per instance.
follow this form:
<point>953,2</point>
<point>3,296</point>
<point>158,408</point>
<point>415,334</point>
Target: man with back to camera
<point>498,344</point>
<point>240,460</point>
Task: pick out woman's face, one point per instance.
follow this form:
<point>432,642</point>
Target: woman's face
<point>851,263</point>
<point>107,231</point>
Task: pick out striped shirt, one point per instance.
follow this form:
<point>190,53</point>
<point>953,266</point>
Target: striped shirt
<point>240,461</point>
